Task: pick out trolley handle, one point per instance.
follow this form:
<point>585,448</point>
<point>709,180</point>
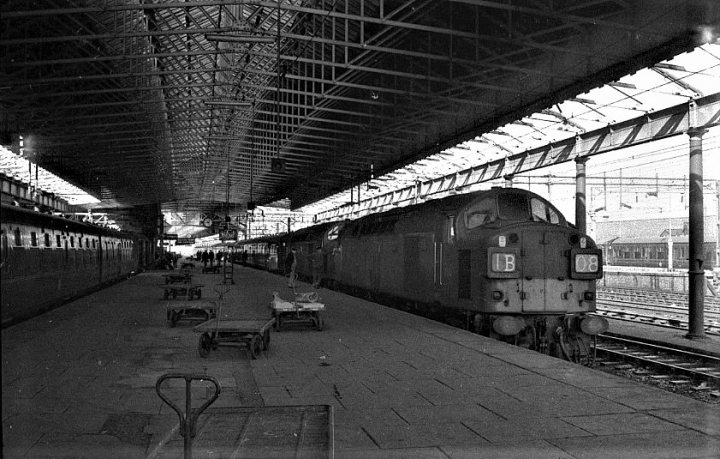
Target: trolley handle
<point>189,418</point>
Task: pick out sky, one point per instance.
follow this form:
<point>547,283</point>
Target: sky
<point>666,159</point>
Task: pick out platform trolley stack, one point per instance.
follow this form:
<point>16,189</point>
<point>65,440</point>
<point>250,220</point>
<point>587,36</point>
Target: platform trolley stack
<point>183,299</point>
<point>304,309</point>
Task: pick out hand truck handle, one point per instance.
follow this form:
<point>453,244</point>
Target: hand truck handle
<point>189,418</point>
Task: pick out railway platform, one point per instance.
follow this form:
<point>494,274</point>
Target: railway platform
<point>79,381</point>
<point>666,336</point>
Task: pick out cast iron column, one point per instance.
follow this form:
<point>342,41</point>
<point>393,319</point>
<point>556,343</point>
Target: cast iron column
<point>580,205</point>
<point>696,271</point>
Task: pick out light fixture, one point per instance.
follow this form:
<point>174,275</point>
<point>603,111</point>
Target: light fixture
<point>239,38</point>
<point>228,103</point>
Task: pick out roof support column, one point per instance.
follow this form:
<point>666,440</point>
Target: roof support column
<point>580,204</point>
<point>696,271</point>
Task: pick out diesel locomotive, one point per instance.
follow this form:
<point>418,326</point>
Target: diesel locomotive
<point>46,260</point>
<point>503,262</point>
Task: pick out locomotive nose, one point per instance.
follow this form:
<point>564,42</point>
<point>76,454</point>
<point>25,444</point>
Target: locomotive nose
<point>558,270</point>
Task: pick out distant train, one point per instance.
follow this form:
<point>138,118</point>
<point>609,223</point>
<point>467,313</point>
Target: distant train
<point>502,262</point>
<point>652,252</point>
<point>45,260</point>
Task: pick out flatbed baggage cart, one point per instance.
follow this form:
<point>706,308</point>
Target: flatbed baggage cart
<point>253,334</point>
<point>297,312</point>
<point>189,291</point>
<point>201,311</point>
<point>183,277</point>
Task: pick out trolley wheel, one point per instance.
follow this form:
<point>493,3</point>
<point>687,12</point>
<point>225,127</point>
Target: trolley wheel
<point>319,322</point>
<point>256,345</point>
<point>266,340</point>
<point>204,345</point>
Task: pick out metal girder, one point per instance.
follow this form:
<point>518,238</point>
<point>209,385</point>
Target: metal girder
<point>698,114</point>
<point>345,83</point>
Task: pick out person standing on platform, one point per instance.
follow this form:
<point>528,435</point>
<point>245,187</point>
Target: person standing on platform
<point>205,258</point>
<point>291,263</point>
<point>211,257</point>
<point>316,262</point>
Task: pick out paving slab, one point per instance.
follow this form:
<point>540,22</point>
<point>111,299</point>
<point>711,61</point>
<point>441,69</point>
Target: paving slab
<point>80,381</point>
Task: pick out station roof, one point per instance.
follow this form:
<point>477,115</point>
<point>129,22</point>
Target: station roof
<point>201,103</point>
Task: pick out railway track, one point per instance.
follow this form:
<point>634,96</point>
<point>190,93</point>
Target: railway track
<point>669,299</point>
<point>656,308</point>
<point>660,364</point>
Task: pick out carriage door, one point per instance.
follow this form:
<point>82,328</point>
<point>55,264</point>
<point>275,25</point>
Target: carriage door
<point>544,269</point>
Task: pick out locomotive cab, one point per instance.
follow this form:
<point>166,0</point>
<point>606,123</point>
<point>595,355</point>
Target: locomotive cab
<point>528,275</point>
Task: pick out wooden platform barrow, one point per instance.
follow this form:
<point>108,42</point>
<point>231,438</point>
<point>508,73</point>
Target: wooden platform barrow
<point>296,312</point>
<point>190,310</point>
<point>253,334</point>
<point>183,290</point>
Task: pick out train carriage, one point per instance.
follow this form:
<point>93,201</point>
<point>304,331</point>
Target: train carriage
<point>48,259</point>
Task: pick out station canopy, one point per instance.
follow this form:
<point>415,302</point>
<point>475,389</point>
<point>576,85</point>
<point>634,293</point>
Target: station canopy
<point>216,106</point>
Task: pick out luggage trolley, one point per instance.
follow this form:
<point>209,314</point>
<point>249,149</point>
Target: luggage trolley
<point>303,310</point>
<point>184,277</point>
<point>253,334</point>
<point>183,290</point>
<point>190,310</point>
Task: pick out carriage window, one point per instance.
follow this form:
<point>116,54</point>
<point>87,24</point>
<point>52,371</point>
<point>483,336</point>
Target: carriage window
<point>57,240</point>
<point>542,212</point>
<point>18,241</point>
<point>72,241</point>
<point>513,206</point>
<point>33,239</point>
<point>47,240</point>
<point>480,213</point>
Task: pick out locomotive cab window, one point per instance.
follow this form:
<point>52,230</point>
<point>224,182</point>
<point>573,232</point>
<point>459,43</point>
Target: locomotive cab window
<point>480,213</point>
<point>513,206</point>
<point>541,211</point>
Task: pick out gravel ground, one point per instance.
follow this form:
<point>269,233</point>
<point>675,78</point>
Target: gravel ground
<point>703,392</point>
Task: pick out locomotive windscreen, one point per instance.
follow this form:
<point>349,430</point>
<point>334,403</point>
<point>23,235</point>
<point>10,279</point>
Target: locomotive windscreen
<point>513,206</point>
